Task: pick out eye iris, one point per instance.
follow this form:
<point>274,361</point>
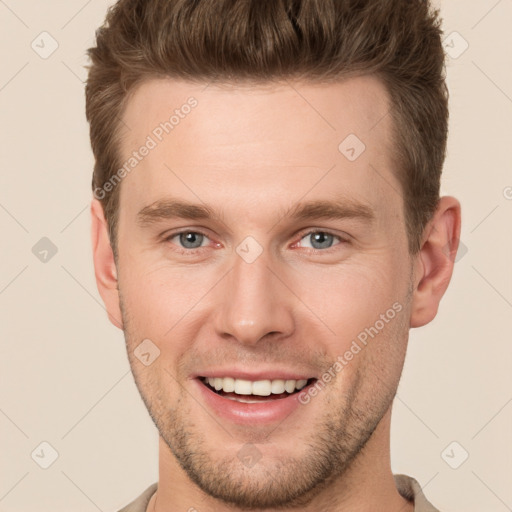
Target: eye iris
<point>321,238</point>
<point>195,239</point>
<point>191,238</point>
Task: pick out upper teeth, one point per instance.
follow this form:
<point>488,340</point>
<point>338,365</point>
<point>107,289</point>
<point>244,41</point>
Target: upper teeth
<point>256,387</point>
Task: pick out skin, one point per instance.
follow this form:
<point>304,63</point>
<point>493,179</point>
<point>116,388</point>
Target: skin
<point>251,154</point>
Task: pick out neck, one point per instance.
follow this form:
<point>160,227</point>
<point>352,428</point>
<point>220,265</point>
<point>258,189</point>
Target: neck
<point>366,486</point>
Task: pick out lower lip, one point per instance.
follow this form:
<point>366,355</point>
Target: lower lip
<point>255,413</point>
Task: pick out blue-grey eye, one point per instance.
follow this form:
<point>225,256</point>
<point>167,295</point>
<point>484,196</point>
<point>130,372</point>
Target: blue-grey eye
<point>319,239</point>
<point>191,239</point>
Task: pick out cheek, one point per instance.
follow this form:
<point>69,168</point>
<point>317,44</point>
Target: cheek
<point>350,298</point>
<point>166,306</point>
<point>158,296</point>
<point>364,310</point>
<point>153,313</point>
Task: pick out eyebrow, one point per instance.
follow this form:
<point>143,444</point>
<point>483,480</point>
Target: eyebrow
<point>319,209</point>
<point>173,208</point>
<point>324,209</point>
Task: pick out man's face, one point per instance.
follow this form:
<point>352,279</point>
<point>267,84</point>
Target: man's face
<point>255,292</point>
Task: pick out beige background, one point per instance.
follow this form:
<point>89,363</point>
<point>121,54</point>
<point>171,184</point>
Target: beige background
<point>64,370</point>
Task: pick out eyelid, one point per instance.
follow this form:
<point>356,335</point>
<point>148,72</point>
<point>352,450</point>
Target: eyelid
<point>166,237</point>
<point>344,239</point>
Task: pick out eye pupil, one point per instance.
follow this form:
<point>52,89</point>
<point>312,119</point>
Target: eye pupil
<point>190,238</point>
<point>323,239</point>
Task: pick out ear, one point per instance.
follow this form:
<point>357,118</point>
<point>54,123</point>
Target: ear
<point>435,260</point>
<point>104,264</point>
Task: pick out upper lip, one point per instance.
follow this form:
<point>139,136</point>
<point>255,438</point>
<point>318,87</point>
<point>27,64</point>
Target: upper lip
<point>268,374</point>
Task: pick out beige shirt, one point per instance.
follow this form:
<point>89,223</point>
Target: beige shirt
<point>408,487</point>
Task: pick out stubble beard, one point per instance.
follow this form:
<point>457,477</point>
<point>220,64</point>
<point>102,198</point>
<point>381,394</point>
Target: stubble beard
<point>332,444</point>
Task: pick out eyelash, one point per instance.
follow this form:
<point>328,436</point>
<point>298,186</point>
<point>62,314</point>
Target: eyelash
<point>182,250</point>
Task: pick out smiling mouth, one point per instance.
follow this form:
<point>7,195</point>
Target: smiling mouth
<point>247,391</point>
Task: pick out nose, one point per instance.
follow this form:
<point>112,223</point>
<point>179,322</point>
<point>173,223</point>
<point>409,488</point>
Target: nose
<point>256,303</point>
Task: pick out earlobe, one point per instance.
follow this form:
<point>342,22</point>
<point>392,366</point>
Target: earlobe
<point>105,269</point>
<point>434,263</point>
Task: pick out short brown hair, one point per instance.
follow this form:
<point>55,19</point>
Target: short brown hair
<point>260,41</point>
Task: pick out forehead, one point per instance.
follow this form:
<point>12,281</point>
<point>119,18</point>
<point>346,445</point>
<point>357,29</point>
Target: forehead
<point>223,142</point>
<point>355,105</point>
